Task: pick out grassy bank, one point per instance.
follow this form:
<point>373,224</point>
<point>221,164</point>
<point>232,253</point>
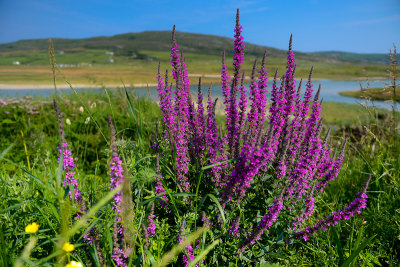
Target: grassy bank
<point>386,93</point>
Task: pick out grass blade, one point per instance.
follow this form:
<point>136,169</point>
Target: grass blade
<point>354,255</point>
<point>338,245</point>
<point>204,253</point>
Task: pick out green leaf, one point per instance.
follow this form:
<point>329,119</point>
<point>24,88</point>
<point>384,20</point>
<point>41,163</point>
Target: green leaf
<point>338,245</point>
<point>7,121</point>
<point>221,211</point>
<point>151,257</point>
<point>133,115</point>
<point>354,255</point>
<point>217,164</point>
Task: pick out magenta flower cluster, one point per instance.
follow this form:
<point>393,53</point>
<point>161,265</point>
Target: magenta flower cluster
<point>281,139</point>
<point>68,167</point>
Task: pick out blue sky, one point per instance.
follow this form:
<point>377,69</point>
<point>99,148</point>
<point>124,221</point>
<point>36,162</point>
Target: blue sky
<point>365,26</point>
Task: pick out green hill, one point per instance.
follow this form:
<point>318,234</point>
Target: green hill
<point>130,46</point>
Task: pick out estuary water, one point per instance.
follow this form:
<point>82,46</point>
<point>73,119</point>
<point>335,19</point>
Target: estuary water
<point>329,92</point>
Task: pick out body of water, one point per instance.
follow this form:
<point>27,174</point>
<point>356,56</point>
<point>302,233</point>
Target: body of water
<point>329,93</point>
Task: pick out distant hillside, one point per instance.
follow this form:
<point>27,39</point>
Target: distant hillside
<point>131,45</point>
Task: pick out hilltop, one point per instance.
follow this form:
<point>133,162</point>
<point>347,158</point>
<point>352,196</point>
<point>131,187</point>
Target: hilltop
<point>131,46</point>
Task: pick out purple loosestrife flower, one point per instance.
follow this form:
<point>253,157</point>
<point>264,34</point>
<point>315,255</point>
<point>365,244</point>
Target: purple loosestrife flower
<point>159,185</point>
<point>68,167</point>
<point>181,115</point>
<point>118,255</point>
<point>214,144</point>
<point>225,82</point>
<point>275,101</point>
<point>290,83</point>
<point>309,210</point>
<point>117,178</point>
<point>355,207</point>
<point>199,137</point>
<point>68,161</point>
<point>262,92</point>
<point>232,115</point>
<point>164,94</point>
<point>254,95</point>
<point>145,237</point>
<point>161,89</point>
<point>205,220</point>
<point>151,225</point>
<point>251,159</point>
<point>175,61</point>
<point>267,221</point>
<point>302,108</point>
<point>296,126</point>
<point>187,257</point>
<point>161,190</point>
<point>332,169</point>
<point>312,122</point>
<point>234,230</point>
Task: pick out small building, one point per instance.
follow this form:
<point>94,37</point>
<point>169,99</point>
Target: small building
<point>110,53</point>
<point>16,62</point>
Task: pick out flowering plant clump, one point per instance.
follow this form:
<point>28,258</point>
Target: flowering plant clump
<point>256,176</point>
<point>267,153</point>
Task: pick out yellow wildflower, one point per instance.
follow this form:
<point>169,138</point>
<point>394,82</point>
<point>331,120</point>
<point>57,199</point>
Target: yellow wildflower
<point>74,264</point>
<point>68,247</point>
<point>32,228</point>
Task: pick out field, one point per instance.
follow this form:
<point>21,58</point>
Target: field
<point>143,72</point>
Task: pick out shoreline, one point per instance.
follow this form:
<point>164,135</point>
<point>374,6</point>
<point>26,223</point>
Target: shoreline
<point>140,85</point>
<point>62,87</point>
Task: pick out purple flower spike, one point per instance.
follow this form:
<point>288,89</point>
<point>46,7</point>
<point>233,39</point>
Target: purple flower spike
<point>234,230</point>
<point>117,178</point>
<point>188,256</point>
<point>355,207</point>
<point>68,161</point>
<point>267,221</point>
<point>68,167</point>
<point>151,226</point>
